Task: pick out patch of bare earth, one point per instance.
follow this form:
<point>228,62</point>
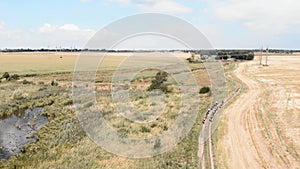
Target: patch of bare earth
<point>263,129</point>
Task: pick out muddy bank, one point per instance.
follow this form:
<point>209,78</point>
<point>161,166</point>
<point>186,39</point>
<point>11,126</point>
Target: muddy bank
<point>16,132</point>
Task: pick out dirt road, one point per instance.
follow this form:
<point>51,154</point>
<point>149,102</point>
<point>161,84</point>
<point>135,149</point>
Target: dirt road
<point>257,126</point>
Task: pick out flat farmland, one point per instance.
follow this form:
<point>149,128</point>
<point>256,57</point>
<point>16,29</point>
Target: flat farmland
<point>39,62</point>
<point>262,126</point>
<point>24,63</point>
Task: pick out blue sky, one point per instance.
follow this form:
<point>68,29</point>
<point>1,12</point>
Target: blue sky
<point>226,23</point>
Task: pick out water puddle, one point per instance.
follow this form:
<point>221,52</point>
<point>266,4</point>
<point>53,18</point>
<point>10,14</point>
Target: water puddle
<point>16,132</point>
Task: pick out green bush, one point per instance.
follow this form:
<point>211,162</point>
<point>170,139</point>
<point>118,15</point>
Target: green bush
<point>145,129</point>
<point>15,77</point>
<point>158,82</point>
<point>26,82</point>
<point>165,127</point>
<point>204,90</point>
<point>6,76</point>
<point>153,125</point>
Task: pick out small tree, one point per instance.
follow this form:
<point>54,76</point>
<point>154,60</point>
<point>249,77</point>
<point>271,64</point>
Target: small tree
<point>204,90</point>
<point>158,82</point>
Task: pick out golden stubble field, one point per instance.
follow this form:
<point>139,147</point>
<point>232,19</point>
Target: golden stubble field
<point>24,63</point>
<point>262,127</point>
<point>51,62</point>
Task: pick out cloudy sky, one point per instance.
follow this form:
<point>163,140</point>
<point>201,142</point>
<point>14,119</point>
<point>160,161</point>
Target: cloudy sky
<point>226,23</point>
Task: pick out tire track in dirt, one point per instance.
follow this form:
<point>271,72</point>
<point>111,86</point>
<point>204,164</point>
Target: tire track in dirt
<point>212,165</point>
<point>251,125</point>
<point>246,144</point>
<point>238,139</point>
<point>278,146</point>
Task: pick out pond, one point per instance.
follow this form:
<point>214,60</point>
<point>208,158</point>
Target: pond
<point>16,132</point>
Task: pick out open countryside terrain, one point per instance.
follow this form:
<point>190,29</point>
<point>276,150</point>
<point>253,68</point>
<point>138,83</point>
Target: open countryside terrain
<point>261,128</point>
<point>46,82</point>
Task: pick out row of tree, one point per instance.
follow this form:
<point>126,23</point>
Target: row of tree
<point>239,55</point>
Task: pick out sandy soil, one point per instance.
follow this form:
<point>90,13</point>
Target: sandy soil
<point>263,129</point>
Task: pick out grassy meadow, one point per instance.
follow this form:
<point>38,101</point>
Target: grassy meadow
<point>46,81</point>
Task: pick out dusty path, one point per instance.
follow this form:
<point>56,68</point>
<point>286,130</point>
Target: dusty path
<point>238,140</point>
<point>252,139</point>
<point>207,125</point>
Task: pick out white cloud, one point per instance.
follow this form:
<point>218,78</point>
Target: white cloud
<point>46,28</point>
<point>9,37</point>
<point>163,6</point>
<point>263,16</point>
<point>67,35</point>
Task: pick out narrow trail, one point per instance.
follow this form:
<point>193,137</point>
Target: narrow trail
<point>211,156</point>
<point>209,123</point>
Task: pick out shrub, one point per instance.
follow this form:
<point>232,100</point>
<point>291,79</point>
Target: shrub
<point>157,144</point>
<point>145,129</point>
<point>158,82</point>
<point>6,76</point>
<point>54,83</point>
<point>165,127</point>
<point>190,60</point>
<point>26,82</point>
<point>41,83</point>
<point>15,77</point>
<point>204,90</point>
<point>153,125</point>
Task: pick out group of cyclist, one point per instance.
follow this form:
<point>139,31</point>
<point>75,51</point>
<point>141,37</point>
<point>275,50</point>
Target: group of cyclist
<point>212,111</point>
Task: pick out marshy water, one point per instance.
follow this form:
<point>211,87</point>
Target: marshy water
<point>16,132</point>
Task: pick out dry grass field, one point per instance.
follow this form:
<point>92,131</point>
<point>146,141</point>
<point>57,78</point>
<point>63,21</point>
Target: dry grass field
<point>46,81</point>
<point>25,63</point>
<point>261,129</point>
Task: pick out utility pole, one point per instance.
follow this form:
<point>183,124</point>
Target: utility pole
<point>261,55</point>
<point>267,55</point>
